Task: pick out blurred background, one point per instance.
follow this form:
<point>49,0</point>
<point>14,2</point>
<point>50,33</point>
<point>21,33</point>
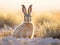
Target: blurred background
<point>45,16</point>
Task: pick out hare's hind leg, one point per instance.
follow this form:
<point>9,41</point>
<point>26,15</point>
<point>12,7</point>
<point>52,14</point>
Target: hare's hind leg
<point>32,34</point>
<point>16,34</point>
<point>29,35</point>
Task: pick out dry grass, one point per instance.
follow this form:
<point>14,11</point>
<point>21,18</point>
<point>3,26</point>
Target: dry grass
<point>46,24</point>
<point>10,19</point>
<point>5,33</point>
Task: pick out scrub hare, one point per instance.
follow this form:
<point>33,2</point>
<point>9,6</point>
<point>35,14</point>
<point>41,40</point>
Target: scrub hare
<point>26,29</point>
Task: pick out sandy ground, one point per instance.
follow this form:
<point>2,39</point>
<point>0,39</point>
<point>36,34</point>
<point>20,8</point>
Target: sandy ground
<point>27,41</point>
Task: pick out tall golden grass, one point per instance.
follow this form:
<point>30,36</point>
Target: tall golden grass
<point>10,19</point>
<point>5,33</point>
<point>47,24</point>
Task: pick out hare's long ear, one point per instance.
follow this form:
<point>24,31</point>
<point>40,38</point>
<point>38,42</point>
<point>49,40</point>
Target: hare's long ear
<point>24,9</point>
<point>29,9</point>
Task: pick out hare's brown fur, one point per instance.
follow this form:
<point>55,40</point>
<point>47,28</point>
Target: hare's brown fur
<point>26,29</point>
